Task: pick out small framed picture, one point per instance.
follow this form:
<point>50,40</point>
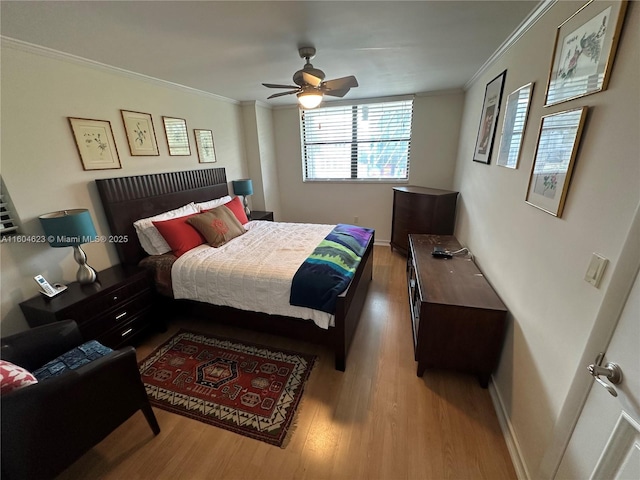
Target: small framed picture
<point>177,136</point>
<point>513,125</point>
<point>95,143</point>
<point>489,119</point>
<point>553,162</point>
<point>140,133</point>
<point>204,145</point>
<point>584,50</point>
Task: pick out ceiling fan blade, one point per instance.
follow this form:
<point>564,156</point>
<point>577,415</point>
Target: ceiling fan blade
<point>339,83</point>
<point>337,93</point>
<point>311,79</point>
<point>282,93</point>
<point>277,85</point>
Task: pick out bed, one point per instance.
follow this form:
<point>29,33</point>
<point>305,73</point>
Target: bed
<point>127,199</point>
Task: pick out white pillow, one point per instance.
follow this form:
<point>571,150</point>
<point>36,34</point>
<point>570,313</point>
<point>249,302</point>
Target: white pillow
<point>152,242</point>
<point>213,203</point>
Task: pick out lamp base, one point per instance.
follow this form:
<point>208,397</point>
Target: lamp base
<point>85,274</point>
<point>246,206</point>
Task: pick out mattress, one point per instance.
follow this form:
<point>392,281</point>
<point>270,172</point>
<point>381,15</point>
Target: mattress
<point>253,271</point>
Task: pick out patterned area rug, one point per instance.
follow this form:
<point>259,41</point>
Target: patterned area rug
<point>249,389</point>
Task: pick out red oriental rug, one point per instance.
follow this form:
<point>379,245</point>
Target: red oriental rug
<point>249,389</point>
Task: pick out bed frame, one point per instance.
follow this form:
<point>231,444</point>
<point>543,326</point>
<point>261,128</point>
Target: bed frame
<point>127,199</point>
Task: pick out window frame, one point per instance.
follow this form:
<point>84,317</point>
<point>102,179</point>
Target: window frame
<point>355,104</point>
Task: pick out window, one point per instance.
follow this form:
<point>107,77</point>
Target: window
<point>357,142</point>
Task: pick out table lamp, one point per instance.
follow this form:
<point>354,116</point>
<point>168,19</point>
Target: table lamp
<point>243,187</point>
<point>71,228</point>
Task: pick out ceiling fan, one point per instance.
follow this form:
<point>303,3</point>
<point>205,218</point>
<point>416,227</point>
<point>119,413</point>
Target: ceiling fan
<point>310,85</point>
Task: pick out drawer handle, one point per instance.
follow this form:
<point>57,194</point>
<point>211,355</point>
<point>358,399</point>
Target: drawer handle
<point>126,332</point>
<point>120,316</point>
<point>115,298</point>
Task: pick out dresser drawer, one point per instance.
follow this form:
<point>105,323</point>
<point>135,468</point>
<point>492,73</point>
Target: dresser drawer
<point>115,317</point>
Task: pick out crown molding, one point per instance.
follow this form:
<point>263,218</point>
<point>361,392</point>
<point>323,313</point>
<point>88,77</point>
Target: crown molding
<point>526,24</point>
<point>66,57</point>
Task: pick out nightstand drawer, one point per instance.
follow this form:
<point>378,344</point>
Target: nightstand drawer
<point>115,317</point>
<point>87,310</point>
<point>126,331</point>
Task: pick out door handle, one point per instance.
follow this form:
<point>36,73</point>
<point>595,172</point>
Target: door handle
<point>611,370</point>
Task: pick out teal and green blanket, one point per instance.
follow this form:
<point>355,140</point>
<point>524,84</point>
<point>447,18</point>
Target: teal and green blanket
<point>327,272</point>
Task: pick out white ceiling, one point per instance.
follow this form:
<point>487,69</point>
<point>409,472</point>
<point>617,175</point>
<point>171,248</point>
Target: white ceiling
<point>230,47</point>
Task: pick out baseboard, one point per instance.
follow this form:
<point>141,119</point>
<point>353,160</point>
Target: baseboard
<point>509,435</point>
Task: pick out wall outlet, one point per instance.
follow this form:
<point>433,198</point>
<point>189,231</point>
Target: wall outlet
<point>355,220</point>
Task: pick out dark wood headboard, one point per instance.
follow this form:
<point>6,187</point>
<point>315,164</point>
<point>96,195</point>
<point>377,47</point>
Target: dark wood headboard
<point>127,199</point>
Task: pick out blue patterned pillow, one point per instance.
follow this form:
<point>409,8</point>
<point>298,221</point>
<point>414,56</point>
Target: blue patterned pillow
<point>75,358</point>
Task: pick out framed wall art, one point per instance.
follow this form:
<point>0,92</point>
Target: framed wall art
<point>516,112</point>
<point>204,145</point>
<point>489,119</point>
<point>94,140</point>
<point>177,136</point>
<point>584,50</point>
<point>140,133</point>
<point>553,162</point>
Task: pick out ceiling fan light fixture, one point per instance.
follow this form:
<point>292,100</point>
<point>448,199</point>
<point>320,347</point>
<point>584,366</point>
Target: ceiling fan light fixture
<point>310,99</point>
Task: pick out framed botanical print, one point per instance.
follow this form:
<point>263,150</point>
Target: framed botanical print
<point>177,136</point>
<point>584,50</point>
<point>140,133</point>
<point>489,119</point>
<point>95,143</point>
<point>554,159</point>
<point>204,145</point>
<point>515,120</point>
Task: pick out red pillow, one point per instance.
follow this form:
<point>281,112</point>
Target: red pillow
<point>180,236</point>
<point>237,208</point>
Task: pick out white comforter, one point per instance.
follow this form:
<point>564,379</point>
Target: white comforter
<point>253,271</point>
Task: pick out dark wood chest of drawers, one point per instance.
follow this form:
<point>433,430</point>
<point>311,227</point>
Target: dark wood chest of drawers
<point>114,310</point>
<point>421,210</point>
<point>458,321</point>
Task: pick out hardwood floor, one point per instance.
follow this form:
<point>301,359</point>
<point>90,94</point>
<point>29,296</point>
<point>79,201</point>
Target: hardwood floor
<point>377,420</point>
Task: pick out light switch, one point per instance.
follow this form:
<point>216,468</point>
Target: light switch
<point>595,270</point>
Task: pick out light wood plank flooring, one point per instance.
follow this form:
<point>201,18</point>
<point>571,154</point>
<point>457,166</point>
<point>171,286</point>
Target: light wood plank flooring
<point>377,420</point>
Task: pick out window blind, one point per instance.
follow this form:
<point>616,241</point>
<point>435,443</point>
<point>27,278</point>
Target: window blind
<point>8,225</point>
<point>357,142</point>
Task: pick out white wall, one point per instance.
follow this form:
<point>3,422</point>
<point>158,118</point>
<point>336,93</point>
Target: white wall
<point>261,157</point>
<point>41,167</point>
<point>434,143</point>
<point>536,261</point>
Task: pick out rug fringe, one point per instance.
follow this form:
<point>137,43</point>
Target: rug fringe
<point>294,423</point>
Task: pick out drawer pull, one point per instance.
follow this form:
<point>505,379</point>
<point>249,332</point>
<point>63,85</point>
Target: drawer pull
<point>121,315</point>
<point>126,332</point>
<point>115,298</point>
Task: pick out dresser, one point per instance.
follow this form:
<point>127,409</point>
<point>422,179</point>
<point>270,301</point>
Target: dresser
<point>114,310</point>
<point>458,321</point>
<point>421,210</point>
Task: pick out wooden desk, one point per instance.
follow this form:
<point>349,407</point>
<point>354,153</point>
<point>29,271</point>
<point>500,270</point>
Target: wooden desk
<point>457,319</point>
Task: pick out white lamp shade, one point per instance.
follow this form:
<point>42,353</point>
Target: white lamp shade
<point>310,99</point>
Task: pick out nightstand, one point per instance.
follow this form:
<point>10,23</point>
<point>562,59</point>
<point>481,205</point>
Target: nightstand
<point>113,310</point>
<point>260,215</point>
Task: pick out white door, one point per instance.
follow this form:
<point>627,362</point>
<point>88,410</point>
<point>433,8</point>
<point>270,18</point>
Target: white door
<point>606,441</point>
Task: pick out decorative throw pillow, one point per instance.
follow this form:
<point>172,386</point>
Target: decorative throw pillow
<point>74,358</point>
<point>13,377</point>
<point>180,236</point>
<point>218,225</point>
<point>237,208</point>
<point>150,238</point>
